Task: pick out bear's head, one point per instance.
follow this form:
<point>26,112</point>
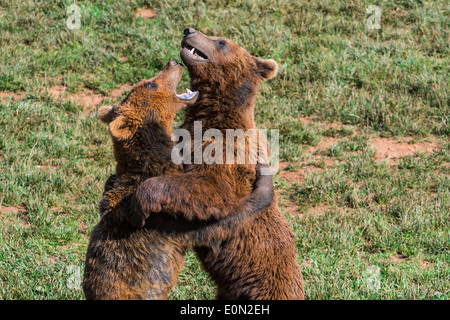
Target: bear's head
<point>220,64</point>
<point>143,120</point>
<point>153,100</point>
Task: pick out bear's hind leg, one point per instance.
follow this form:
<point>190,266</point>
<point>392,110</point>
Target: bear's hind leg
<point>137,265</point>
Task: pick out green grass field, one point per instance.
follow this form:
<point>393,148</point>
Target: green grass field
<point>363,117</point>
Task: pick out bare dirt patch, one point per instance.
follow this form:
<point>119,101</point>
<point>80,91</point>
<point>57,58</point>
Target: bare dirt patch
<point>87,98</point>
<point>146,13</point>
<point>83,228</point>
<point>317,210</point>
<point>15,96</point>
<point>21,208</point>
<point>292,208</point>
<point>57,91</point>
<point>15,214</point>
<point>325,143</point>
<point>425,264</point>
<point>300,174</point>
<point>306,120</point>
<point>386,149</point>
<point>116,93</point>
<point>292,176</point>
<point>398,258</point>
<point>303,168</point>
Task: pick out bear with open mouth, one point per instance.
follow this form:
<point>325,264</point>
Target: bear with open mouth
<point>125,261</point>
<point>258,261</point>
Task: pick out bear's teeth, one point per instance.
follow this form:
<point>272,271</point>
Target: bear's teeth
<point>188,91</point>
<point>192,50</point>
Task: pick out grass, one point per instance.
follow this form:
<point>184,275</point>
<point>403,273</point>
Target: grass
<point>352,84</point>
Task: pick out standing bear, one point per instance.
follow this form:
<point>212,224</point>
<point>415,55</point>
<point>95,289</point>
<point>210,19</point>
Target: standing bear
<point>259,260</point>
<point>128,262</point>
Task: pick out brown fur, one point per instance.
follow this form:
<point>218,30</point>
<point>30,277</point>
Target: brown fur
<point>124,261</point>
<point>259,260</point>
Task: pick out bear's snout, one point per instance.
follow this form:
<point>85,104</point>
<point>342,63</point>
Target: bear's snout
<point>188,31</point>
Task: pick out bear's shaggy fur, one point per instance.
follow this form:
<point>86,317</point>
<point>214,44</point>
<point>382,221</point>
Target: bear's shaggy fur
<point>124,261</point>
<point>259,261</point>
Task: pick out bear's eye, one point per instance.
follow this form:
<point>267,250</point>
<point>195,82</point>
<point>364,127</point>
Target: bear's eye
<point>222,43</point>
<point>152,86</point>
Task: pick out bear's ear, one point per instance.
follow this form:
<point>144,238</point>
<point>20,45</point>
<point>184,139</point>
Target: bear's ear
<point>120,129</point>
<point>266,68</point>
<point>106,113</point>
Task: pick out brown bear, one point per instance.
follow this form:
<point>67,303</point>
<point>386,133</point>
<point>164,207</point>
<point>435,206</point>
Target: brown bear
<point>128,262</point>
<point>259,260</point>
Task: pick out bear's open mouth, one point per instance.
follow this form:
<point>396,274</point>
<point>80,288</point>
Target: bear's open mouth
<point>188,95</point>
<point>195,53</point>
